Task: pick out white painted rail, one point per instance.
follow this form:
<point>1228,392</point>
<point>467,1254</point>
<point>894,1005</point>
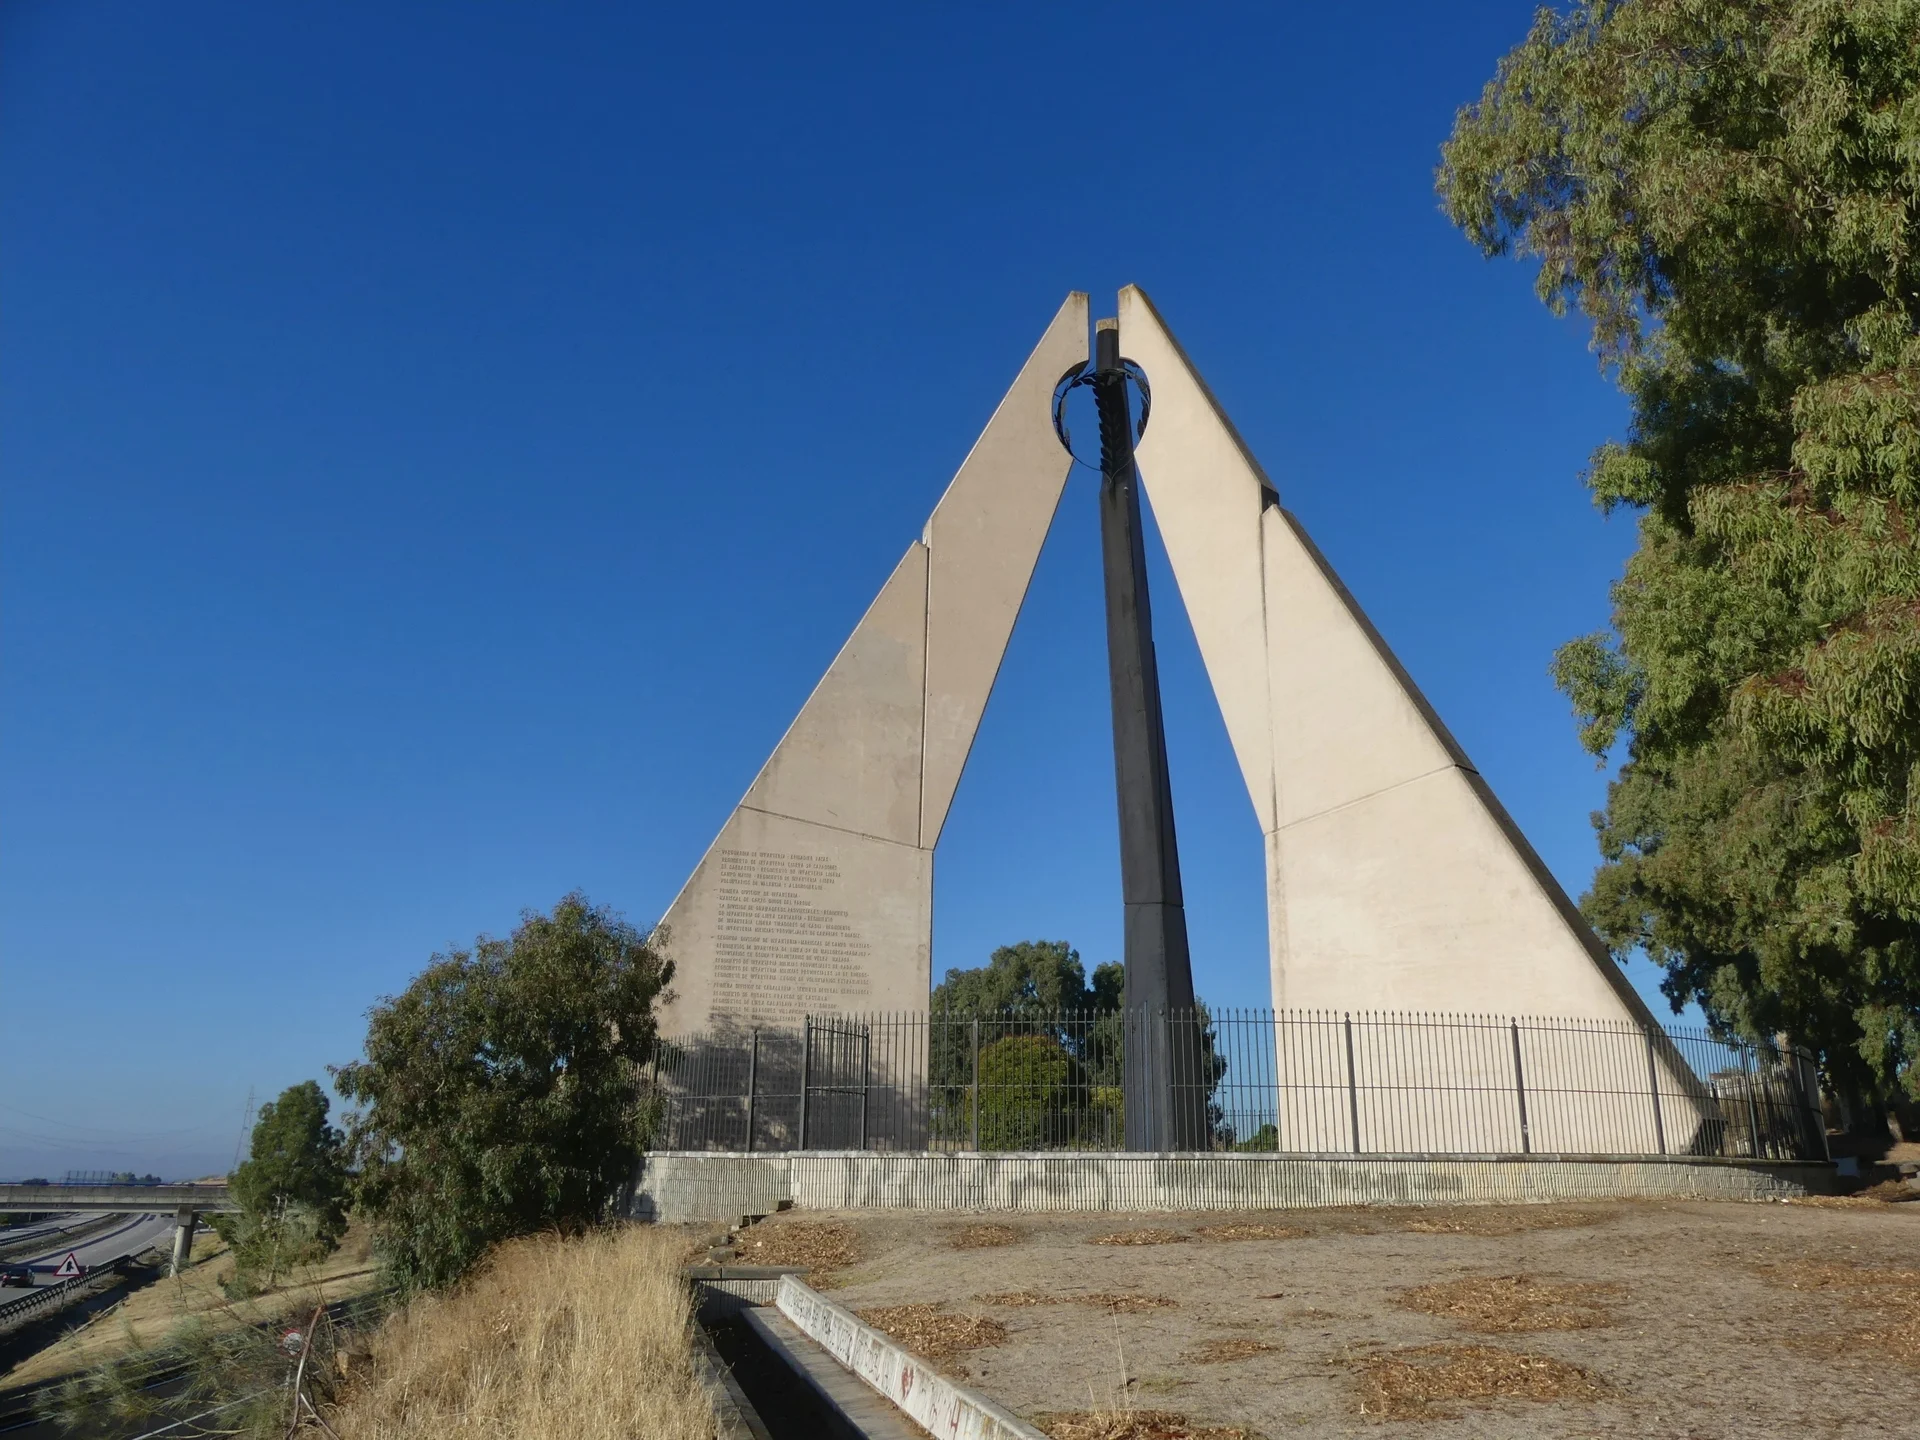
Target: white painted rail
<point>944,1409</point>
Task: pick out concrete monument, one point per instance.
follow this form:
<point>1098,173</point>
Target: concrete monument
<point>1395,879</point>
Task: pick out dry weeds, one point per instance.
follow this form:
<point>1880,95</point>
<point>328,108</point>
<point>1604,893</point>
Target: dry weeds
<point>820,1249</point>
<point>984,1237</point>
<point>1101,1300</point>
<point>584,1339</point>
<point>1499,1219</point>
<point>1504,1304</point>
<point>1249,1232</point>
<point>1143,1237</point>
<point>1135,1425</point>
<point>1415,1384</point>
<point>1225,1351</point>
<point>934,1333</point>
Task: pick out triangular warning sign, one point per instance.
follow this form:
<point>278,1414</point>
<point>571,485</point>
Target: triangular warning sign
<point>69,1267</point>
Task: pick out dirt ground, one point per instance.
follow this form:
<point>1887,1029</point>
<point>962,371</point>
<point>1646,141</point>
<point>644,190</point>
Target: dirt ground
<point>1671,1319</point>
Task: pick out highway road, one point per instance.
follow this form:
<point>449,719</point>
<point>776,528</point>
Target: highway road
<point>132,1234</point>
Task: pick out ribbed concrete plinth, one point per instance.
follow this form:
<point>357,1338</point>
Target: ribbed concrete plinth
<point>708,1185</point>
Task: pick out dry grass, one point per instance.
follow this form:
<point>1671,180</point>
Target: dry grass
<point>1249,1232</point>
<point>1225,1351</point>
<point>1102,1300</point>
<point>1504,1304</point>
<point>1135,1425</point>
<point>984,1237</point>
<point>584,1339</point>
<point>819,1249</point>
<point>1416,1384</point>
<point>934,1333</point>
<point>1499,1219</point>
<point>1143,1237</point>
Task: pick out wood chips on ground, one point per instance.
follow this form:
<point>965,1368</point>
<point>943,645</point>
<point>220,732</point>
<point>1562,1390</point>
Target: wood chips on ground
<point>983,1237</point>
<point>934,1333</point>
<point>1101,1300</point>
<point>1416,1384</point>
<point>1887,1192</point>
<point>1885,1302</point>
<point>1504,1304</point>
<point>1498,1219</point>
<point>819,1249</point>
<point>1135,1425</point>
<point>1225,1351</point>
<point>1143,1237</point>
<point>1249,1232</point>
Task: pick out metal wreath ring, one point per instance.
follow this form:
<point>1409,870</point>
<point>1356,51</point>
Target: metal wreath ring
<point>1083,374</point>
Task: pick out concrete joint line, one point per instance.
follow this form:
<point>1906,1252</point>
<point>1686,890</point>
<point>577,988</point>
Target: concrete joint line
<point>1372,794</point>
<point>829,825</point>
<point>943,1408</point>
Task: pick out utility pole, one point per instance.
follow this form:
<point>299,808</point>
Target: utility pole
<point>1164,1093</point>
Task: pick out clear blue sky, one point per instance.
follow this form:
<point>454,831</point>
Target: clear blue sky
<point>442,445</point>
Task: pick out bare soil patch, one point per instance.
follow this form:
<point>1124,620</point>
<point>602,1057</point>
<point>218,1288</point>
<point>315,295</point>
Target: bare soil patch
<point>1116,1304</point>
<point>983,1237</point>
<point>1250,1232</point>
<point>1143,1237</point>
<point>1498,1219</point>
<point>1728,1321</point>
<point>1505,1304</point>
<point>932,1332</point>
<point>1222,1352</point>
<point>1135,1425</point>
<point>819,1249</point>
<point>1416,1384</point>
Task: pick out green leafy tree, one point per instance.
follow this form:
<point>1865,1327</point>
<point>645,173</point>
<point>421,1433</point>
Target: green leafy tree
<point>1730,193</point>
<point>500,1094</point>
<point>1032,975</point>
<point>292,1189</point>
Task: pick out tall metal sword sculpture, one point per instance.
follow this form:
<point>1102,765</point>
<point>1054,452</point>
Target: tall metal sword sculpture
<point>1165,1103</point>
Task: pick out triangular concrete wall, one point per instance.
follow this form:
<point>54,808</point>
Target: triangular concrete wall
<point>1395,879</point>
<point>817,896</point>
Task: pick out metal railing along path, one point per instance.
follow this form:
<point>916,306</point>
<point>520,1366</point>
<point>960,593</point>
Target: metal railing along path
<point>1317,1082</point>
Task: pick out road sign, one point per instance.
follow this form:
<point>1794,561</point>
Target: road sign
<point>70,1267</point>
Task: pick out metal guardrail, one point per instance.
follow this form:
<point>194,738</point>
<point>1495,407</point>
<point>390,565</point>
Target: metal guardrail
<point>1244,1080</point>
<point>43,1296</point>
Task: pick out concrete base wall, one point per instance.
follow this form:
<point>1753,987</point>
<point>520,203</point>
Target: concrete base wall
<point>707,1185</point>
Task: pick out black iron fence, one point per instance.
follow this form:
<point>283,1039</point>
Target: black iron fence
<point>1245,1080</point>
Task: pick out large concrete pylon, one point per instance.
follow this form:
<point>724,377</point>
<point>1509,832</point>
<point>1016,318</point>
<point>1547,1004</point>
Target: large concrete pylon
<point>818,893</point>
<point>1395,879</point>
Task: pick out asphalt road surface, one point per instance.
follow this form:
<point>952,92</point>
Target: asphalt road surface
<point>133,1234</point>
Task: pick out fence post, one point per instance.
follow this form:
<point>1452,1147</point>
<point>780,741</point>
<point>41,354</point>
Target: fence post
<point>866,1078</point>
<point>1353,1091</point>
<point>806,1063</point>
<point>753,1083</point>
<point>1520,1089</point>
<point>1653,1089</point>
<point>1753,1117</point>
<point>976,1083</point>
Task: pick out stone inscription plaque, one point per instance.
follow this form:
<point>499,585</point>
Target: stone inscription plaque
<point>779,950</point>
